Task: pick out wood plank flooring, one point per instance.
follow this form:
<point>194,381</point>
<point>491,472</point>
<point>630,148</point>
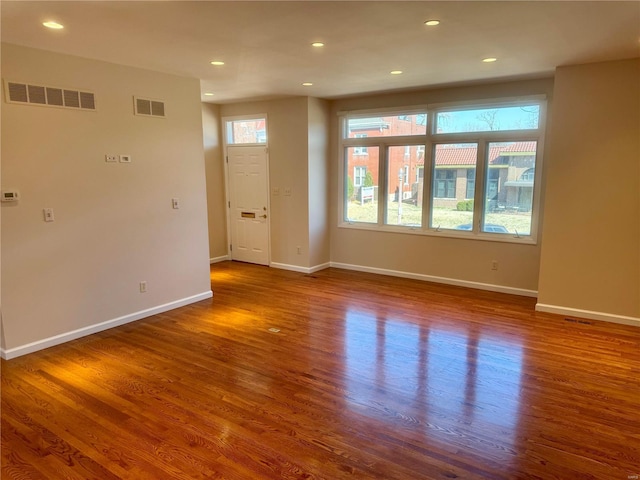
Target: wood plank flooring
<point>362,377</point>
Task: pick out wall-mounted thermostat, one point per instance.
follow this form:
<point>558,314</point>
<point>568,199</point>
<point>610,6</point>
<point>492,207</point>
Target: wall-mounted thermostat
<point>10,196</point>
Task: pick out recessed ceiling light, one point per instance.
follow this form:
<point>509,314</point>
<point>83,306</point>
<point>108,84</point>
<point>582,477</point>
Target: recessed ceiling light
<point>432,23</point>
<point>217,63</point>
<point>208,94</point>
<point>396,72</point>
<point>307,84</point>
<point>489,59</point>
<point>317,44</point>
<point>53,25</point>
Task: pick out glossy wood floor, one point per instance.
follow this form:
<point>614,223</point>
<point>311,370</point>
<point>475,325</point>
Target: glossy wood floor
<point>367,377</point>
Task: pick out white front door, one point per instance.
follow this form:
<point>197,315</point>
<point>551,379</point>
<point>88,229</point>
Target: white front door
<point>248,195</point>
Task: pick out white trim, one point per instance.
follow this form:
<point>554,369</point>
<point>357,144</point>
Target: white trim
<point>488,102</point>
<point>388,111</point>
<point>296,268</point>
<point>222,258</point>
<point>449,233</point>
<point>317,268</point>
<point>591,315</point>
<point>293,268</point>
<point>430,278</point>
<point>99,327</point>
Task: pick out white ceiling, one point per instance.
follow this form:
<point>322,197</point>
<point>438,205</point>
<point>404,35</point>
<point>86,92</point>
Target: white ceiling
<point>267,44</point>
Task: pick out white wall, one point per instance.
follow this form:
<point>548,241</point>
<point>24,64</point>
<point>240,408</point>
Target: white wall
<point>590,263</point>
<point>114,225</point>
<point>319,155</point>
<point>214,166</point>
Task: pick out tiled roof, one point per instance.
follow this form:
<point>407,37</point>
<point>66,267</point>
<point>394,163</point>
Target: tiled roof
<point>521,147</point>
<point>450,155</point>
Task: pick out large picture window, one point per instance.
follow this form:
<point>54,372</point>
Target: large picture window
<point>463,171</point>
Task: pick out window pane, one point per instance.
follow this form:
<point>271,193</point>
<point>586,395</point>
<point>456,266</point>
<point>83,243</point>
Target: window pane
<point>488,119</point>
<point>471,183</point>
<point>361,185</point>
<point>509,188</point>
<point>390,126</point>
<point>247,131</point>
<point>453,186</point>
<point>405,168</point>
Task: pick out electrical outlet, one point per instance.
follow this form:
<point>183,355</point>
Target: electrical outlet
<point>143,287</point>
<point>494,265</point>
<point>110,158</point>
<point>125,158</point>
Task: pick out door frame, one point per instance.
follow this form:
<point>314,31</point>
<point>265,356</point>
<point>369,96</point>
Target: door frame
<point>227,195</point>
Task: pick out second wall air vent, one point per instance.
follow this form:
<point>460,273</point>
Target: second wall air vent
<point>28,94</point>
<point>148,107</point>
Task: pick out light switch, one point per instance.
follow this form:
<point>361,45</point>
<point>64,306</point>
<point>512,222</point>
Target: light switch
<point>175,203</point>
<point>48,215</point>
<point>125,158</point>
<point>275,190</point>
<point>110,158</point>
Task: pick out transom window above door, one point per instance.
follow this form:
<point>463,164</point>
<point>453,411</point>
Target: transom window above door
<point>246,131</point>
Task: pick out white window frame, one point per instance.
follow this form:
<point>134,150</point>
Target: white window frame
<point>428,141</point>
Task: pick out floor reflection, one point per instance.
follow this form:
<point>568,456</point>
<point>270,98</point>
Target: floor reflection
<point>452,382</point>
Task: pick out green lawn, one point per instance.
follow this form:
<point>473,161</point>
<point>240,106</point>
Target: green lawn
<point>444,217</point>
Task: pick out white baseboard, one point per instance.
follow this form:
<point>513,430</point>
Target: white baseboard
<point>99,327</point>
<point>444,280</point>
<point>588,314</point>
<point>317,268</point>
<point>297,268</point>
<point>223,258</point>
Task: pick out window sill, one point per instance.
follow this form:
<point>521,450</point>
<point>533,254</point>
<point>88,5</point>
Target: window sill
<point>443,233</point>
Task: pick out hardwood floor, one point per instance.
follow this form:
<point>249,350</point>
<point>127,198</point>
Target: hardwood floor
<point>366,377</point>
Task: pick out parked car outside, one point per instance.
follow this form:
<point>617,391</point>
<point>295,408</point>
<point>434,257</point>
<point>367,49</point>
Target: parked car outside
<point>488,227</point>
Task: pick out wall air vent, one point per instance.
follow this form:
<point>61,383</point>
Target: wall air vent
<point>148,108</point>
<point>49,96</point>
